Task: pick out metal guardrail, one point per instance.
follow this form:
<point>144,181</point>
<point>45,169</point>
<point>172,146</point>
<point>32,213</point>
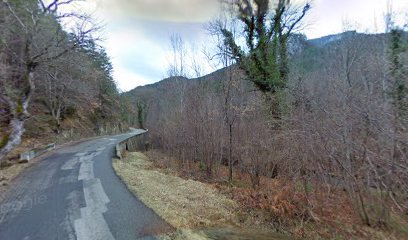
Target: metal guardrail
<point>27,156</point>
<point>136,143</point>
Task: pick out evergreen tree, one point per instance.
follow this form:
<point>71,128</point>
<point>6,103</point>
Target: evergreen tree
<point>399,90</point>
<point>266,31</point>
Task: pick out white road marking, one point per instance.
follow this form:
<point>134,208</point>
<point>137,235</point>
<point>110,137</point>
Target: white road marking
<point>81,154</point>
<point>73,212</point>
<point>72,178</point>
<point>86,167</point>
<point>100,149</point>
<point>69,165</point>
<point>92,225</point>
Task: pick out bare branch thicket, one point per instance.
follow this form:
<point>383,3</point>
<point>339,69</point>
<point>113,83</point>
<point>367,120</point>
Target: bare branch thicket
<point>41,40</point>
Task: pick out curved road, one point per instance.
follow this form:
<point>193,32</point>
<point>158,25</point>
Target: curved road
<point>75,194</point>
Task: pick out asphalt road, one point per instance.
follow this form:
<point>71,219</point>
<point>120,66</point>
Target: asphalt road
<point>75,194</point>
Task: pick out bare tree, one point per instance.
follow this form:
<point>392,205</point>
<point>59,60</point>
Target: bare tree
<point>25,53</point>
<point>178,55</point>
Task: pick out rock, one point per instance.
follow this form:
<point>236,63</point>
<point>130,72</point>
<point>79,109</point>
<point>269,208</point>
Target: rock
<point>23,161</point>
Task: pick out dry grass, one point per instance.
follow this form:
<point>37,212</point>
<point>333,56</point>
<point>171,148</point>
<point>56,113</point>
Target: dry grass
<point>199,211</point>
<point>185,234</point>
<point>182,203</point>
<point>223,234</point>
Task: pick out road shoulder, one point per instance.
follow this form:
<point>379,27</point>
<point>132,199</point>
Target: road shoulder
<point>185,204</point>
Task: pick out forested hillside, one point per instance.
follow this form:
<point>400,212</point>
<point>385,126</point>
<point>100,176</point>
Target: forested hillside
<point>342,128</point>
<point>56,81</point>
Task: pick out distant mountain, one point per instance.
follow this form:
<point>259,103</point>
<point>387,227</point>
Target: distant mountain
<point>147,92</point>
<point>298,44</point>
<point>308,54</point>
<point>320,42</point>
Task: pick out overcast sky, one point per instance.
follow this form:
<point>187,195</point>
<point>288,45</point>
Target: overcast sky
<point>138,31</point>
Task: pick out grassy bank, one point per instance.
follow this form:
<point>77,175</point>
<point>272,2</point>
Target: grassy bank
<point>198,210</point>
<point>183,203</point>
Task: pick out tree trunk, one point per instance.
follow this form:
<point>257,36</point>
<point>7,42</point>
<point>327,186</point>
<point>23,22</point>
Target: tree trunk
<point>284,63</point>
<point>14,139</point>
<point>255,177</point>
<point>19,108</point>
<point>20,115</point>
<point>230,154</point>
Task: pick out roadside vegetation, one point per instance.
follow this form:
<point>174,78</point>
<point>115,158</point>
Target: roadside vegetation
<point>203,208</point>
<point>45,95</point>
<point>312,133</point>
<point>196,209</point>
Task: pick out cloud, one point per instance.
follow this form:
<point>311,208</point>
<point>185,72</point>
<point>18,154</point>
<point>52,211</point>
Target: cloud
<point>138,31</point>
<point>132,51</point>
<point>161,10</point>
<point>140,48</point>
<point>129,79</point>
<point>328,16</point>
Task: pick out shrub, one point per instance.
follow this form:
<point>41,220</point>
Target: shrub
<point>4,140</point>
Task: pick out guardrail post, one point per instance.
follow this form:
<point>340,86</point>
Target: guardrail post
<point>27,156</point>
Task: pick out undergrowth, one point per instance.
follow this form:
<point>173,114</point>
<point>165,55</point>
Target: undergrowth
<point>284,206</point>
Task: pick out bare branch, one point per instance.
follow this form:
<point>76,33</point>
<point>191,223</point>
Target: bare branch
<point>15,16</point>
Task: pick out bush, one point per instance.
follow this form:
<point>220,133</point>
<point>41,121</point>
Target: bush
<point>69,111</point>
<point>281,207</point>
<point>4,140</point>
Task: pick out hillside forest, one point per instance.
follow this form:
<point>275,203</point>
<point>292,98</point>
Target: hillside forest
<point>45,95</point>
